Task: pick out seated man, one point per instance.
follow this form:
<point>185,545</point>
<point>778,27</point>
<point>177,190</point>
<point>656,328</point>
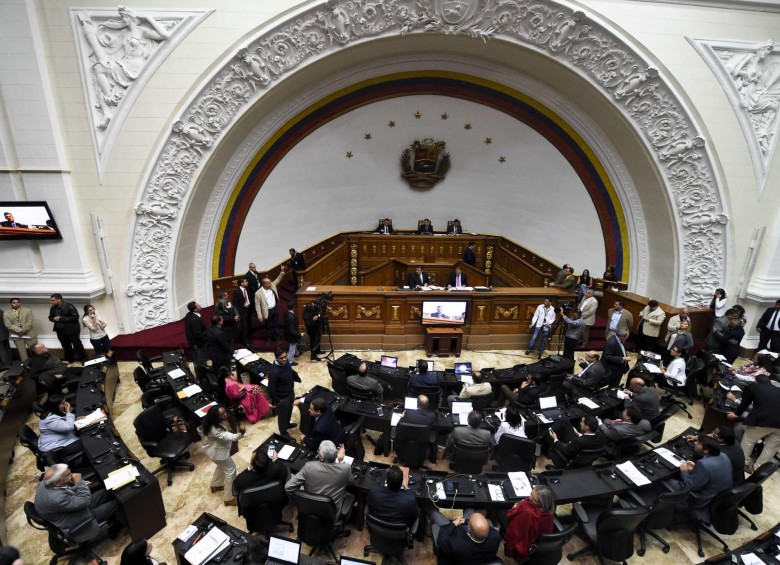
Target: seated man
<point>471,435</point>
<point>418,278</point>
<point>422,377</point>
<point>527,394</point>
<point>423,416</point>
<point>573,441</point>
<point>50,372</point>
<point>467,539</point>
<point>392,503</point>
<point>327,476</point>
<point>569,280</point>
<point>261,471</point>
<point>439,313</point>
<point>326,426</point>
<point>385,227</point>
<point>632,425</point>
<point>63,499</point>
<point>479,388</point>
<point>363,383</point>
<point>643,397</point>
<point>729,446</point>
<point>425,228</point>
<point>592,376</point>
<point>455,228</point>
<point>457,279</point>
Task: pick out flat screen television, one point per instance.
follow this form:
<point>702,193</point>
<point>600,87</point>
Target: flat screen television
<point>388,361</point>
<point>444,312</point>
<point>27,220</point>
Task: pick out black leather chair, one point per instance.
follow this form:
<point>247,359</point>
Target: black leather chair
<point>469,459</point>
<point>548,548</point>
<point>754,502</point>
<point>165,400</point>
<point>338,378</point>
<point>555,386</point>
<point>148,363</point>
<point>29,439</point>
<point>674,391</point>
<point>481,402</point>
<point>390,539</point>
<point>158,441</point>
<point>658,423</point>
<point>629,446</point>
<point>584,458</point>
<point>262,507</point>
<point>359,394</point>
<point>353,444</point>
<point>212,384</point>
<point>317,519</point>
<point>608,531</point>
<point>412,444</point>
<point>515,454</point>
<point>145,382</point>
<point>38,409</point>
<point>724,514</point>
<point>62,544</point>
<point>661,510</point>
<point>432,392</point>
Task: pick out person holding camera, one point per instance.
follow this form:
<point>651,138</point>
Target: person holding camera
<point>575,326</point>
<point>312,318</point>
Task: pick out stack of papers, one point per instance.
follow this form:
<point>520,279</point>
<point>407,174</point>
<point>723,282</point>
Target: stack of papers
<point>208,547</point>
<point>632,473</point>
<point>120,477</point>
<point>177,373</point>
<point>191,390</point>
<point>649,367</point>
<point>587,403</point>
<point>520,483</point>
<point>734,388</point>
<point>92,418</point>
<point>285,452</point>
<point>100,359</point>
<point>201,412</point>
<point>244,356</point>
<point>496,492</point>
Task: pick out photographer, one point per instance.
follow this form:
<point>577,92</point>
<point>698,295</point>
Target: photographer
<point>314,318</point>
<point>575,326</point>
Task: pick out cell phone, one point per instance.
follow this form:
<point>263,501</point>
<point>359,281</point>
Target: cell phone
<point>271,450</point>
<point>379,411</point>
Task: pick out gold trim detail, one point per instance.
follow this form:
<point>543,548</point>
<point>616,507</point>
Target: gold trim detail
<point>342,312</point>
<point>481,315</point>
<point>506,312</point>
<point>395,312</point>
<point>369,312</point>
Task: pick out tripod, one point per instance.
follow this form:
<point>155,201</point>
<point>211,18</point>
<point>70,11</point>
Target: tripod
<point>560,330</point>
<point>325,323</point>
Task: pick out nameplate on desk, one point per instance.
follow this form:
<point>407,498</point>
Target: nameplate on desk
<point>207,547</point>
<point>95,361</point>
<point>201,412</point>
<point>90,419</point>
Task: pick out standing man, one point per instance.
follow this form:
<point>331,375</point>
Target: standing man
<point>312,320</point>
<point>618,318</point>
<point>5,346</point>
<point>230,317</point>
<point>67,324</point>
<point>769,329</point>
<point>417,279</point>
<point>588,308</point>
<point>574,328</point>
<point>19,323</point>
<point>615,358</point>
<point>651,317</point>
<point>297,264</point>
<point>469,256</point>
<point>673,325</point>
<point>219,344</point>
<point>243,305</point>
<point>281,388</point>
<point>541,323</point>
<point>290,331</point>
<point>763,420</point>
<point>266,304</point>
<point>195,330</point>
<point>254,283</point>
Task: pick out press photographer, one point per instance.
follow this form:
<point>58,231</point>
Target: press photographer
<point>575,326</point>
<point>315,318</point>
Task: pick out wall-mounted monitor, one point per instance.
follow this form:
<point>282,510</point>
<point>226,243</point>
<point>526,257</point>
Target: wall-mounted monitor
<point>443,312</point>
<point>27,220</point>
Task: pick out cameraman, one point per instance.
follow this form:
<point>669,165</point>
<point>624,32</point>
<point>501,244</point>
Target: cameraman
<point>312,318</point>
<point>575,326</point>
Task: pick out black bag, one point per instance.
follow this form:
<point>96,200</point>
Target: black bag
<point>304,344</point>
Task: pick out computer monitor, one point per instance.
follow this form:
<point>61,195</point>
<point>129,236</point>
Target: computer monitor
<point>283,550</point>
<point>443,312</point>
<point>462,368</point>
<point>388,361</point>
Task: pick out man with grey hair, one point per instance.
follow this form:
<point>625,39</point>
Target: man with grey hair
<point>63,498</point>
<point>329,475</point>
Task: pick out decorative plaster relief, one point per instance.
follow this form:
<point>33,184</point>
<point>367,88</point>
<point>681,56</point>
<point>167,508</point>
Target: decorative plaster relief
<point>578,41</point>
<point>117,55</point>
<point>750,75</point>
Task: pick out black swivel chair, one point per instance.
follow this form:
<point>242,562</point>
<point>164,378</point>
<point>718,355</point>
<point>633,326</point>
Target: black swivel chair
<point>432,392</point>
<point>608,531</point>
<point>662,510</point>
<point>353,444</point>
<point>658,424</point>
<point>29,439</point>
<point>146,382</point>
<point>412,444</point>
<point>359,394</point>
<point>262,507</point>
<point>62,544</point>
<point>148,363</point>
<point>317,519</point>
<point>338,378</point>
<point>548,548</point>
<point>390,539</point>
<point>515,454</point>
<point>724,514</point>
<point>164,399</point>
<point>754,502</point>
<point>481,402</point>
<point>674,391</point>
<point>555,386</point>
<point>469,459</point>
<point>153,433</point>
<point>584,458</point>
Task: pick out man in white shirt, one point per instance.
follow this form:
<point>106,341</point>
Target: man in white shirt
<point>477,388</point>
<point>543,319</point>
<point>266,304</point>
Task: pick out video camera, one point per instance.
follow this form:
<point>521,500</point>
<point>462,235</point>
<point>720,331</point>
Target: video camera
<point>566,307</point>
<point>321,301</point>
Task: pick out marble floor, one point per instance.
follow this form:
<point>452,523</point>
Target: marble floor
<point>189,495</point>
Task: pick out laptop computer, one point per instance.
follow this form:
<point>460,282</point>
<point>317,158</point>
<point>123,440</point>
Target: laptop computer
<point>549,407</point>
<point>460,413</point>
<point>283,551</point>
<point>462,368</point>
<point>387,361</point>
<point>353,561</point>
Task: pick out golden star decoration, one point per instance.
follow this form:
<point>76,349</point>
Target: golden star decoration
<point>349,154</point>
<point>444,116</point>
<point>488,140</point>
<point>502,159</point>
<point>418,115</point>
<point>367,136</point>
<point>467,126</point>
<point>391,124</point>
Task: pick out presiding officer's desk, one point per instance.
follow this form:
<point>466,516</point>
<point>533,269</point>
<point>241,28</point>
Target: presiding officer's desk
<point>140,501</point>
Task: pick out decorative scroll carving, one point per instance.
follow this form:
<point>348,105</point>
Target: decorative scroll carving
<point>481,313</point>
<point>395,312</point>
<point>529,312</point>
<point>414,313</point>
<point>338,313</point>
<point>505,313</point>
<point>362,312</point>
<point>582,43</point>
<point>489,260</point>
<point>353,264</point>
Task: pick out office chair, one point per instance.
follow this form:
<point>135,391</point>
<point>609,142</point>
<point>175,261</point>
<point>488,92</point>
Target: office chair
<point>145,382</point>
<point>724,514</point>
<point>353,444</point>
<point>481,402</point>
<point>584,458</point>
<point>317,519</point>
<point>148,363</point>
<point>432,392</point>
<point>338,378</point>
<point>29,439</point>
<point>515,454</point>
<point>674,390</point>
<point>359,394</point>
<point>412,444</point>
<point>164,399</point>
<point>555,386</point>
<point>212,384</point>
<point>658,424</point>
<point>390,539</point>
<point>628,446</point>
<point>262,507</point>
<point>608,531</point>
<point>153,433</point>
<point>469,459</point>
<point>754,502</point>
<point>661,510</point>
<point>38,409</point>
<point>548,548</point>
<point>62,544</point>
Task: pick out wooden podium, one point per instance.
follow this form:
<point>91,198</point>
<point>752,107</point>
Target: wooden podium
<point>443,342</point>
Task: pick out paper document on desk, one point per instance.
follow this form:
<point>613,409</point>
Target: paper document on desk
<point>668,456</point>
<point>100,359</point>
<point>395,418</point>
<point>177,373</point>
<point>543,419</point>
<point>285,452</point>
<point>650,368</point>
<point>587,403</point>
<point>91,418</point>
<point>209,546</point>
<point>264,382</point>
<point>191,390</point>
<point>733,388</point>
<point>240,354</point>
<point>201,412</point>
<point>633,474</point>
<point>120,477</point>
<point>751,559</point>
<point>251,358</point>
<point>496,493</point>
<point>520,483</point>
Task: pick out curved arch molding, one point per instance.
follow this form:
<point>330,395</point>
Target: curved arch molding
<point>582,43</point>
<point>499,97</point>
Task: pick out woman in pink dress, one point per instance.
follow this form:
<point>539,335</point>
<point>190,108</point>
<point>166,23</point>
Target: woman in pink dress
<point>254,403</point>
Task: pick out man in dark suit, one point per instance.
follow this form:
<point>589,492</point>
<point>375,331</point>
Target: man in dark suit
<point>254,283</point>
<point>385,227</point>
<point>326,426</point>
<point>615,358</point>
<point>573,441</point>
<point>313,322</point>
<point>422,377</point>
<point>243,304</point>
<point>768,328</point>
<point>10,222</point>
<point>457,278</point>
<point>469,256</point>
<point>425,228</point>
<point>297,263</point>
<point>467,539</point>
<point>455,228</point>
<point>67,325</point>
<point>527,394</point>
<point>643,397</point>
<point>195,330</point>
<point>219,344</point>
<point>423,416</point>
<point>471,435</point>
<point>290,331</point>
<point>281,388</point>
<point>392,503</point>
<point>762,421</point>
<point>417,279</point>
<point>262,470</point>
<point>592,376</point>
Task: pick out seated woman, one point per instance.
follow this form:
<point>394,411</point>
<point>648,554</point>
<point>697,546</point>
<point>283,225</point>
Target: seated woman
<point>761,365</point>
<point>254,403</point>
<point>527,520</point>
<point>513,424</point>
<point>583,283</point>
<point>58,428</point>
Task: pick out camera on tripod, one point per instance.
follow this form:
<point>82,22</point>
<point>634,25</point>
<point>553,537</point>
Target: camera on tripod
<point>321,301</point>
<point>566,307</point>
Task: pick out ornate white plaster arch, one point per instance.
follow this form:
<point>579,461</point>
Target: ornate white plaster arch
<point>594,50</point>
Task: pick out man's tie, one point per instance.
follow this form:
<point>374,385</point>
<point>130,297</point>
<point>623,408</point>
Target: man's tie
<point>457,281</point>
<point>246,297</point>
<point>773,321</point>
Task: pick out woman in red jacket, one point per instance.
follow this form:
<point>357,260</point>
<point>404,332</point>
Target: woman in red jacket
<point>527,520</point>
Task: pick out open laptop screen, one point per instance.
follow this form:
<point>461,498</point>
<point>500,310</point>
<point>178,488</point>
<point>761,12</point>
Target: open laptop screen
<point>546,402</point>
<point>462,368</point>
<point>282,549</point>
<point>387,361</point>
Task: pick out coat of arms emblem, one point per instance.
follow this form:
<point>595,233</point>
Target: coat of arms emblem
<point>424,163</point>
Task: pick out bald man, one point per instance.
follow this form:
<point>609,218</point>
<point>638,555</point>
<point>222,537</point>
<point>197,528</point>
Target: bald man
<point>467,539</point>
